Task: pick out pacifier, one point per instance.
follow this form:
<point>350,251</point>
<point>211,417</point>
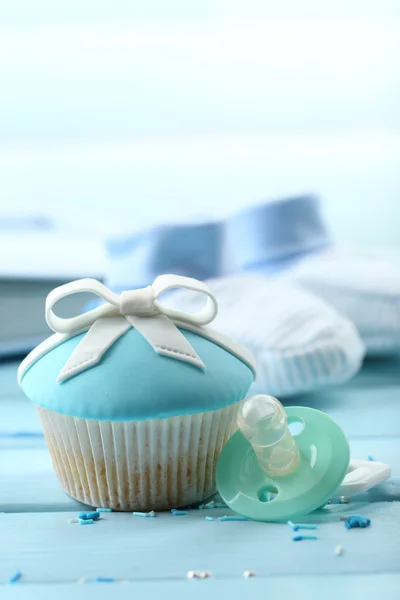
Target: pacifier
<point>286,462</point>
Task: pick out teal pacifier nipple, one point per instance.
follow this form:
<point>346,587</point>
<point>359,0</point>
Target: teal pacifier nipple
<point>282,463</point>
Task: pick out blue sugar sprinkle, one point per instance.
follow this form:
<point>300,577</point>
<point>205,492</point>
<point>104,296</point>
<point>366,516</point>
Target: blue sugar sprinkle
<point>100,510</point>
<point>16,577</point>
<point>86,521</point>
<point>93,515</point>
<point>179,513</point>
<point>89,515</point>
<point>370,458</point>
<point>299,538</point>
<point>357,521</point>
<point>210,519</point>
<point>105,579</point>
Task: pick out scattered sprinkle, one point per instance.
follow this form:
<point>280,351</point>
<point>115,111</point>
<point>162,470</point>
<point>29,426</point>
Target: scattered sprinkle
<point>192,575</point>
<point>144,514</point>
<point>100,510</point>
<point>357,521</point>
<point>89,515</point>
<point>227,518</point>
<point>209,504</point>
<point>198,574</point>
<point>370,458</point>
<point>299,538</point>
<point>297,526</point>
<point>86,521</point>
<point>179,513</point>
<point>16,577</point>
<point>73,520</point>
<point>94,515</point>
<point>338,550</point>
<point>249,573</point>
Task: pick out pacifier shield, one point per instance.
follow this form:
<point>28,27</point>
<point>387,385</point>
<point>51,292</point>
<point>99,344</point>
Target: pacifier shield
<point>324,459</point>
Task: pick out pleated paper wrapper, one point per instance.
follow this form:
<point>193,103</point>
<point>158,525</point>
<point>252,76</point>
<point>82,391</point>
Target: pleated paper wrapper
<point>157,464</point>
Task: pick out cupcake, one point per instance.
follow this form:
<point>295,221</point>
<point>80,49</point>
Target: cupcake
<point>136,400</point>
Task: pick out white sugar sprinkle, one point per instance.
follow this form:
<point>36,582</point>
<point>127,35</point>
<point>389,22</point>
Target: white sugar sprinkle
<point>191,575</point>
<point>338,550</point>
<point>249,573</point>
<point>198,574</point>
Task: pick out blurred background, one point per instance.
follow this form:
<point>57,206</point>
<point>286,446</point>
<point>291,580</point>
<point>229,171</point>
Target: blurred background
<point>118,115</point>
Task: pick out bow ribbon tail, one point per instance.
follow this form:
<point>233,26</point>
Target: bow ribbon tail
<point>159,331</point>
<point>166,339</point>
<point>100,337</point>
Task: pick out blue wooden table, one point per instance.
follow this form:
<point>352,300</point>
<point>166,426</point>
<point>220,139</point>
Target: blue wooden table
<point>150,557</point>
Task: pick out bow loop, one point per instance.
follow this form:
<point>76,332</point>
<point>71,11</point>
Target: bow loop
<point>164,283</point>
<point>73,324</point>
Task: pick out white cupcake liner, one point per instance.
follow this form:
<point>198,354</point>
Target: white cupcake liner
<point>138,465</point>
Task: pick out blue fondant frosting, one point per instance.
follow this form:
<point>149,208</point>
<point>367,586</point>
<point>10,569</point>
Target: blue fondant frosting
<point>132,382</point>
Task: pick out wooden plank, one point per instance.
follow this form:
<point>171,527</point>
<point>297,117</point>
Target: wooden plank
<point>330,587</point>
<point>133,548</point>
<point>361,412</point>
<point>29,484</point>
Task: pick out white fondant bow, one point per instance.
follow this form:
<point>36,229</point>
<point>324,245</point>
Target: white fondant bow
<point>137,308</point>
